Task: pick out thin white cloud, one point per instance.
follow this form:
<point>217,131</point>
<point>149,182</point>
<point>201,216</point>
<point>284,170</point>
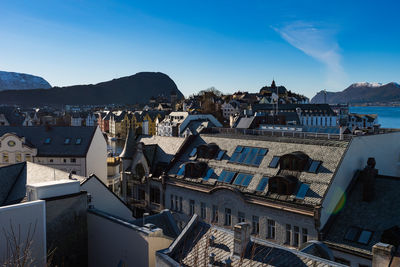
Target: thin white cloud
<point>320,44</point>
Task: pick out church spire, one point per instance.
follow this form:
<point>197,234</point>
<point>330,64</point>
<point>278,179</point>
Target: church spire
<point>273,85</point>
<point>130,143</point>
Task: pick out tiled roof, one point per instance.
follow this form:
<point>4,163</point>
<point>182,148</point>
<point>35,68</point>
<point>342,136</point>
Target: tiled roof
<point>192,248</point>
<point>330,155</point>
<point>36,135</point>
<point>376,216</point>
<point>167,146</point>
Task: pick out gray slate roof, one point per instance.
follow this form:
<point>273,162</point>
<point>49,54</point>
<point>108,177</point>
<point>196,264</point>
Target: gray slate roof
<point>192,249</point>
<point>382,213</point>
<point>36,135</point>
<point>163,220</point>
<point>329,153</point>
<point>167,146</point>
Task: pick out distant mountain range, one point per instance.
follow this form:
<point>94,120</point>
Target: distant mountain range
<point>361,93</point>
<point>16,81</point>
<point>138,88</point>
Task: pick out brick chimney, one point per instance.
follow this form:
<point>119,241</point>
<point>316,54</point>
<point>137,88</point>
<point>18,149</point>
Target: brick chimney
<point>368,180</point>
<point>241,238</point>
<point>382,254</point>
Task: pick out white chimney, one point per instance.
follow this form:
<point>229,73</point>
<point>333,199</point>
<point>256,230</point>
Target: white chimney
<point>241,238</point>
<point>52,189</point>
<point>382,254</point>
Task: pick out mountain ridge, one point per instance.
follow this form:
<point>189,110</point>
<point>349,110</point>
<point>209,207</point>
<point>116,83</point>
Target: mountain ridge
<point>21,81</point>
<point>134,89</point>
<point>361,93</point>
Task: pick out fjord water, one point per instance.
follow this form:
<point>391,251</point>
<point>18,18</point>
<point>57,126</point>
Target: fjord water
<point>388,117</point>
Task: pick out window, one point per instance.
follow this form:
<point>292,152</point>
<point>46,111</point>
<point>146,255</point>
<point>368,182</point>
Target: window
<point>243,179</point>
<point>78,141</point>
<point>241,217</point>
<point>263,183</point>
<point>255,225</point>
<point>28,157</point>
<point>203,210</point>
<point>365,237</point>
<point>214,213</point>
<point>314,166</point>
<point>248,155</point>
<point>172,202</point>
<point>180,204</point>
<point>65,160</point>
<point>288,234</point>
<point>18,157</point>
<point>208,175</point>
<point>67,141</point>
<point>302,191</point>
<point>191,207</point>
<point>274,162</point>
<point>73,160</point>
<point>47,140</point>
<point>50,160</point>
<point>5,157</point>
<point>73,172</point>
<point>155,195</point>
<point>226,176</point>
<point>193,153</point>
<point>296,236</point>
<point>304,235</point>
<point>271,229</point>
<point>181,170</point>
<point>352,233</point>
<point>228,217</point>
<point>220,155</point>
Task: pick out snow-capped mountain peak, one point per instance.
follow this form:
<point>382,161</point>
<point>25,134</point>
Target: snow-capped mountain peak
<point>14,80</point>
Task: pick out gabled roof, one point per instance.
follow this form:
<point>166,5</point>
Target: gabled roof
<point>36,135</point>
<point>130,145</point>
<point>163,220</point>
<point>193,248</point>
<point>10,178</point>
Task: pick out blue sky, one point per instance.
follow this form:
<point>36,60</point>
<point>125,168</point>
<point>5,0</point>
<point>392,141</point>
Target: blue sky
<point>231,45</point>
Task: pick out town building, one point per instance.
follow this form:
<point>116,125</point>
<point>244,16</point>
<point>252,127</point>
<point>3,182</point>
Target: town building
<point>182,124</point>
<point>79,150</point>
<point>362,121</point>
<point>287,186</point>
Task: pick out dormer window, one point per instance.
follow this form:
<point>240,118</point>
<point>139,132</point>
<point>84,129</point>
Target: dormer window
<point>314,166</point>
<point>283,185</point>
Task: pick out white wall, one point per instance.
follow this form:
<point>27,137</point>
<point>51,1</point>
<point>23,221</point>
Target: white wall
<point>104,200</point>
<point>22,216</point>
<point>96,158</point>
<point>385,148</point>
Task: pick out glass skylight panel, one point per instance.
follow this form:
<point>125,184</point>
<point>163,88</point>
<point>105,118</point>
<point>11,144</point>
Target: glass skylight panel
<point>66,141</point>
<point>302,191</point>
<point>229,177</point>
<point>365,236</point>
<point>220,155</point>
<point>262,152</point>
<point>238,149</point>
<point>234,157</point>
<point>181,170</point>
<point>274,162</point>
<point>251,156</point>
<point>352,233</point>
<point>221,177</point>
<point>243,155</point>
<point>78,141</point>
<point>247,180</point>
<point>193,153</point>
<point>258,159</point>
<point>47,141</point>
<point>208,174</point>
<point>239,179</point>
<point>314,166</point>
<point>263,183</point>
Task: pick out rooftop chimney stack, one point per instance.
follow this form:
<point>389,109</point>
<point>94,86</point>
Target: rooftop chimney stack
<point>382,254</point>
<point>241,238</point>
<point>369,175</point>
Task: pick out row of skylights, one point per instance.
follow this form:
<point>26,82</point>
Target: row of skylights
<point>226,176</point>
<point>219,156</point>
<point>248,155</point>
<point>67,141</point>
<point>301,193</point>
<point>243,179</point>
<point>208,175</point>
<point>181,170</point>
<point>312,166</point>
<point>358,235</point>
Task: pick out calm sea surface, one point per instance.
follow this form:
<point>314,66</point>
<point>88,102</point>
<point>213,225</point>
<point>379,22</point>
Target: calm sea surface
<point>388,117</point>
